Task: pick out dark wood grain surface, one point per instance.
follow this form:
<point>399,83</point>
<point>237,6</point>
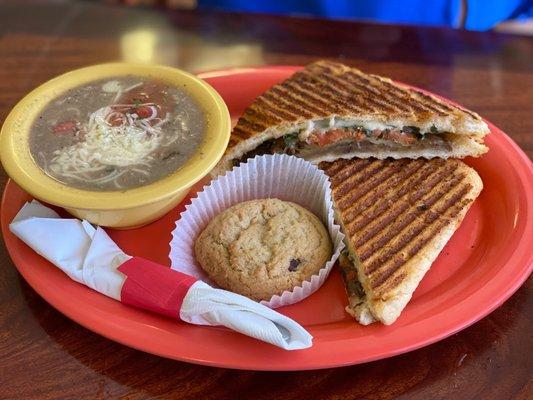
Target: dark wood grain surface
<point>43,355</point>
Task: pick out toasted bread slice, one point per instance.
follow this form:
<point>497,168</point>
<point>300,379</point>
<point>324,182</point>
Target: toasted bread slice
<point>397,216</point>
<point>375,116</point>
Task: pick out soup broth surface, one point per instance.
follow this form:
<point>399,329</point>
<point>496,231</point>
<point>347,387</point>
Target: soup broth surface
<point>116,134</point>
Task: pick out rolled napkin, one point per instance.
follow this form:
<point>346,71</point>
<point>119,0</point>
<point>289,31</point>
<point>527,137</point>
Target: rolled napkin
<point>89,256</point>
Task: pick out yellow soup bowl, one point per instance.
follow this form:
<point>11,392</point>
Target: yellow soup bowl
<point>118,209</point>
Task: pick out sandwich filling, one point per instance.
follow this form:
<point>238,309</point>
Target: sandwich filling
<point>357,300</point>
<point>344,139</point>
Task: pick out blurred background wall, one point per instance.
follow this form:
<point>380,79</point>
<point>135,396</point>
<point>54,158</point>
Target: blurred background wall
<point>504,15</point>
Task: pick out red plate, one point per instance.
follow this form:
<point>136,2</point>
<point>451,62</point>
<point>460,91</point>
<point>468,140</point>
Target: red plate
<point>485,262</point>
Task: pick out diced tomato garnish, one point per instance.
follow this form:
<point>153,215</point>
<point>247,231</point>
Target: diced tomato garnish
<point>322,139</point>
<point>148,93</point>
<point>65,127</point>
<point>401,137</point>
<point>143,111</point>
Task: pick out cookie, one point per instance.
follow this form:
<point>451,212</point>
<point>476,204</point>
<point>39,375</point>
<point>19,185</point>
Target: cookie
<point>261,248</point>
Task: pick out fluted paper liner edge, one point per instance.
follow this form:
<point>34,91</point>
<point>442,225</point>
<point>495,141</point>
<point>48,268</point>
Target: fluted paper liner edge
<point>268,176</point>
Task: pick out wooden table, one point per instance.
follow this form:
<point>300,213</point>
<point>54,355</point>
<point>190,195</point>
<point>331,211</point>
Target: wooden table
<point>43,355</point>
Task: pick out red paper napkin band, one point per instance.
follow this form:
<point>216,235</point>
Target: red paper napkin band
<point>154,287</point>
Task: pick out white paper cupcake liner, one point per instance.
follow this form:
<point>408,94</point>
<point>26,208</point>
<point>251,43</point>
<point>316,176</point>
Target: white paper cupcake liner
<point>269,176</point>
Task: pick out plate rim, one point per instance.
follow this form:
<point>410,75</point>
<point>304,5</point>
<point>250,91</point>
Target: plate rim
<point>115,335</point>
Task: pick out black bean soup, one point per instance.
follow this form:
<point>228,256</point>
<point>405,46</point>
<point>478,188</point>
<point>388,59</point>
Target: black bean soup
<point>116,134</point>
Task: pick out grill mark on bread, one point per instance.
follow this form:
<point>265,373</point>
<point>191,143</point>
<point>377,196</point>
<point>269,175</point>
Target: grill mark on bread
<point>351,194</point>
<point>344,188</point>
<point>348,85</point>
<point>336,104</point>
<point>248,123</point>
<point>394,199</point>
<point>244,122</point>
<point>337,87</point>
<point>265,118</point>
<point>311,97</point>
<point>298,97</point>
<point>333,66</point>
<point>362,82</point>
<point>431,227</point>
<point>391,87</point>
<point>406,232</point>
<point>424,204</point>
<point>351,93</point>
<point>434,187</point>
<point>436,106</point>
<point>341,169</point>
<point>325,89</point>
<point>369,241</point>
<point>281,106</point>
<point>430,104</point>
<point>345,99</point>
<point>240,133</point>
<point>391,93</point>
<point>353,171</point>
<point>430,99</point>
<point>331,168</point>
<point>292,105</point>
<point>470,113</point>
<point>327,67</point>
<point>330,107</point>
<point>389,284</point>
<point>383,98</point>
<point>442,109</point>
<point>366,208</point>
<point>271,113</point>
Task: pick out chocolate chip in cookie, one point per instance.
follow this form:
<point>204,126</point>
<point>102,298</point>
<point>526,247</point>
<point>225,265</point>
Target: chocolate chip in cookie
<point>293,265</point>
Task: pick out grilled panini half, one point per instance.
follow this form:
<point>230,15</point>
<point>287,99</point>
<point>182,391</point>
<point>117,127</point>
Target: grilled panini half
<point>329,111</point>
<point>397,216</point>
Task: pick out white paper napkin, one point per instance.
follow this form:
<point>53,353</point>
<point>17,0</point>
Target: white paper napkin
<point>89,256</point>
